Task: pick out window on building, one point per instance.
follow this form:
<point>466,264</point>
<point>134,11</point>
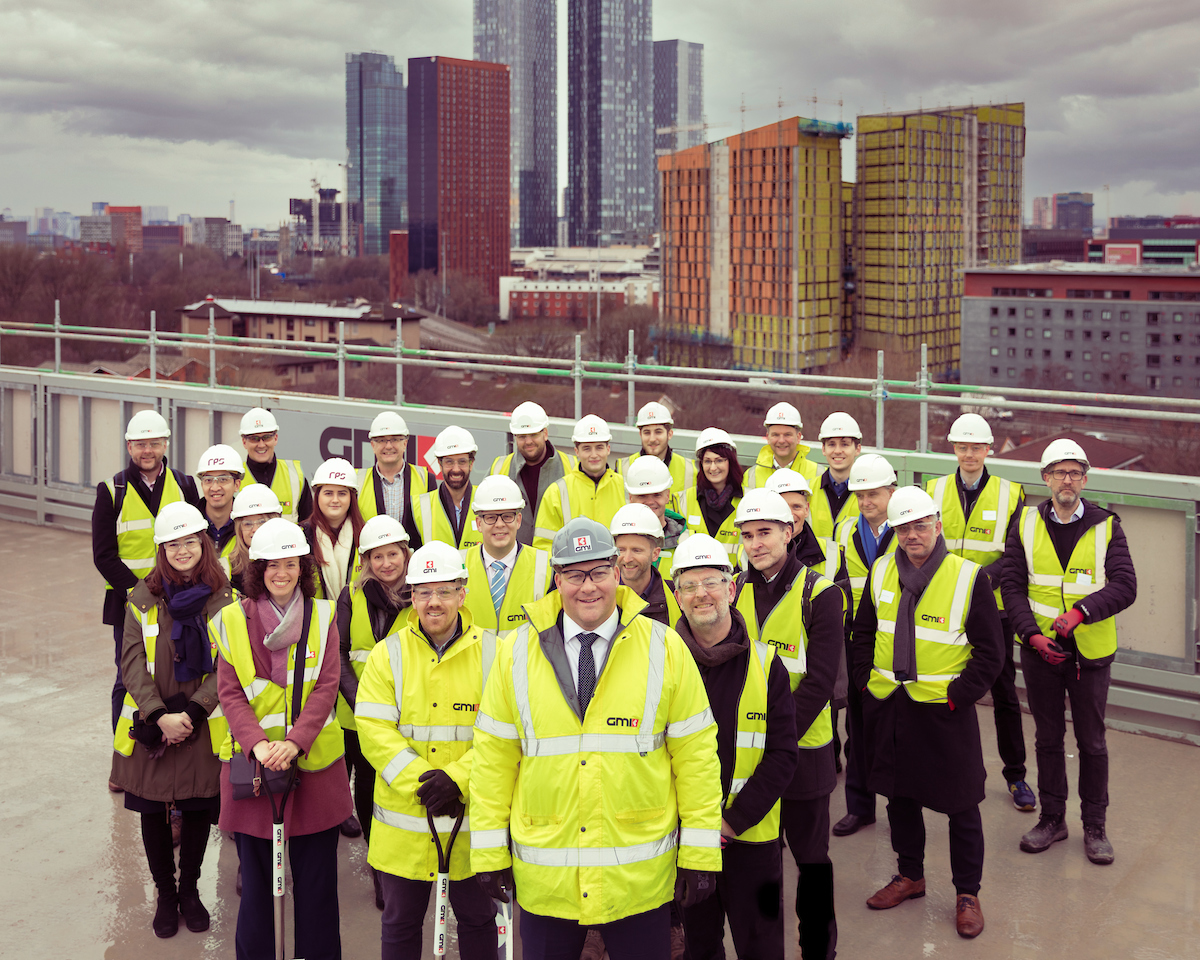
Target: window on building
<point>1012,311</point>
<point>270,336</point>
<point>310,339</point>
<point>1029,353</point>
<point>1087,314</point>
<point>1047,313</point>
<point>1047,334</point>
<point>1012,351</point>
<point>1068,354</point>
<point>1106,376</point>
<point>1153,360</point>
<point>1029,333</point>
<point>1087,376</point>
<point>1012,373</point>
<point>1106,335</point>
<point>306,368</point>
<point>310,322</point>
<point>1029,313</point>
<point>1046,354</point>
<point>333,328</point>
<point>291,336</point>
<point>1068,334</point>
<point>1124,314</point>
<point>1105,314</point>
<point>1152,319</point>
<point>1177,360</point>
<point>995,331</point>
<point>995,311</point>
<point>1177,338</point>
<point>1012,331</point>
<point>1087,334</point>
<point>1125,338</point>
<point>1177,317</point>
<point>1177,381</point>
<point>1153,339</point>
<point>995,371</point>
<point>1154,382</point>
<point>1068,314</point>
<point>1087,355</point>
<point>1106,356</point>
<point>291,326</point>
<point>1069,374</point>
<point>995,351</point>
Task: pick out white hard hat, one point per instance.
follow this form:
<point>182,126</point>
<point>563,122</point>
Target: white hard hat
<point>452,441</point>
<point>436,562</point>
<point>783,414</point>
<point>527,417</point>
<point>970,428</point>
<point>840,425</point>
<point>220,456</point>
<point>388,424</point>
<point>1063,449</point>
<point>636,518</point>
<point>652,413</point>
<point>254,500</point>
<point>762,504</point>
<point>591,429</point>
<point>647,474</point>
<point>699,550</point>
<point>909,504</point>
<point>871,471</point>
<point>278,539</point>
<point>711,436</point>
<point>497,492</point>
<point>788,481</point>
<point>177,519</point>
<point>258,420</point>
<point>147,425</point>
<point>337,471</point>
<point>379,530</point>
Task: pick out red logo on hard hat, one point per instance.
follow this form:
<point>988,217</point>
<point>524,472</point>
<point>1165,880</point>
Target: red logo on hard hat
<point>337,474</point>
<point>582,544</point>
<point>429,566</point>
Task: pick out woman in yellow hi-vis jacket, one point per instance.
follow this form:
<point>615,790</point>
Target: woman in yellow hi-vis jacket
<point>163,755</point>
<point>415,711</point>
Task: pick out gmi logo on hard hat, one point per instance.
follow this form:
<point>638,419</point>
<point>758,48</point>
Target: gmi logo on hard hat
<point>591,431</point>
<point>583,544</point>
<point>430,566</point>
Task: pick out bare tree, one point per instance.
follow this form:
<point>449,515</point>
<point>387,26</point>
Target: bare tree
<point>18,266</point>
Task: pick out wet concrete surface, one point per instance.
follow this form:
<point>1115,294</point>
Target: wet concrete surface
<point>75,882</point>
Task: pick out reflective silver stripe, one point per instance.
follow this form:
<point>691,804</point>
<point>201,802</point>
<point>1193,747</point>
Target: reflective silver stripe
<point>218,712</point>
<point>1001,528</point>
<point>255,687</point>
<point>544,533</point>
<point>541,566</point>
<point>857,583</point>
<point>359,656</point>
<point>1028,529</point>
<point>1046,580</point>
<point>488,654</point>
<point>984,546</point>
<point>426,505</point>
<point>594,856</point>
<point>950,637</point>
<point>139,563</point>
<point>1045,609</point>
<point>149,631</point>
<point>272,720</point>
<point>398,763</point>
<point>693,724</point>
<point>505,731</point>
<point>921,677</point>
<point>751,740</point>
<point>295,487</point>
<point>565,498</point>
<point>832,558</point>
<point>311,673</point>
<point>958,606</point>
<point>590,743</point>
<point>396,657</point>
<point>695,837</point>
<point>520,676</point>
<point>436,733</point>
<point>735,787</point>
<point>128,526</point>
<point>127,712</point>
<point>217,626</point>
<point>377,711</point>
<point>405,821</point>
<point>877,575</point>
<point>488,839</point>
<point>655,678</point>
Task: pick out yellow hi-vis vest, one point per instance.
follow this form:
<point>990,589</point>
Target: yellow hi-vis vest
<point>941,618</point>
<point>979,537</point>
<point>416,712</point>
<point>683,474</point>
<point>272,703</point>
<point>577,495</point>
<point>856,565</point>
<point>434,524</point>
<point>362,642</point>
<point>821,518</point>
<point>599,811</point>
<point>1053,591</point>
<point>218,726</point>
<point>135,524</point>
<point>225,555</point>
<point>418,483</point>
<point>288,486</point>
<point>727,534</point>
<point>762,468</point>
<point>529,580</point>
<point>751,740</point>
<point>787,631</point>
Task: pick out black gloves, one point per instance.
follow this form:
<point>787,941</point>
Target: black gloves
<point>692,886</point>
<point>498,885</point>
<point>439,793</point>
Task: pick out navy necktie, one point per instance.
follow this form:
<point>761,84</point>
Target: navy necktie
<point>587,670</point>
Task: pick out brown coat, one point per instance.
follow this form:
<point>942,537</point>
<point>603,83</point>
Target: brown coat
<point>188,769</point>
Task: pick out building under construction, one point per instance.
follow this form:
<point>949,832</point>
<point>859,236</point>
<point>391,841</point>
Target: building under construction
<point>752,249</point>
<point>937,192</point>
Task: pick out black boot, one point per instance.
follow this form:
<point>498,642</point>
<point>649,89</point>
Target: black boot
<point>192,845</point>
<point>1050,829</point>
<point>160,854</point>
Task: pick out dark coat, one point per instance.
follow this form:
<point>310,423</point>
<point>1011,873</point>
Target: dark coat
<point>929,752</point>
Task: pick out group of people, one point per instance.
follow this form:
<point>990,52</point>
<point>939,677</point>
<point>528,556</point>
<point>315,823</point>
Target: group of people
<point>618,687</point>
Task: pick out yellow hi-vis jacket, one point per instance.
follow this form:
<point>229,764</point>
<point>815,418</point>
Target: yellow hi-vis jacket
<point>577,495</point>
<point>941,619</point>
<point>979,537</point>
<point>727,534</point>
<point>272,703</point>
<point>288,486</point>
<point>418,483</point>
<point>218,726</point>
<point>362,642</point>
<point>751,740</point>
<point>1053,591</point>
<point>856,564</point>
<point>416,712</point>
<point>600,810</point>
<point>135,524</point>
<point>821,518</point>
<point>683,474</point>
<point>760,472</point>
<point>225,554</point>
<point>529,580</point>
<point>433,522</point>
<point>785,629</point>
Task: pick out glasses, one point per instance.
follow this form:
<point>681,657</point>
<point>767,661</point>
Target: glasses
<point>577,578</point>
<point>710,585</point>
<point>220,479</point>
<point>148,444</point>
<point>189,543</point>
<point>713,461</point>
<point>490,519</point>
<point>917,526</point>
<point>428,593</point>
<point>260,437</point>
<point>253,523</point>
<point>452,463</point>
<point>389,441</point>
<point>1066,474</point>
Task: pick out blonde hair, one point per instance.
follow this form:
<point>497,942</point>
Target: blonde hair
<point>399,594</point>
<point>239,560</point>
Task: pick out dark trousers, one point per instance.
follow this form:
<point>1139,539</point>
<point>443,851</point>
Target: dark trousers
<point>1047,686</point>
<point>160,852</point>
<point>859,800</point>
<point>316,932</point>
<point>805,825</point>
<point>966,843</point>
<point>118,690</point>
<point>364,782</point>
<point>750,894</point>
<point>407,901</point>
<point>1006,710</point>
<point>644,936</point>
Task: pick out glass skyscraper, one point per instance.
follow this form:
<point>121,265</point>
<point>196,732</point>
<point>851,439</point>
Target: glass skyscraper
<point>524,35</point>
<point>376,141</point>
<point>678,95</point>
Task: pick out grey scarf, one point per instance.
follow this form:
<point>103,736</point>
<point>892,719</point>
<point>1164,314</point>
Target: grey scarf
<point>913,581</point>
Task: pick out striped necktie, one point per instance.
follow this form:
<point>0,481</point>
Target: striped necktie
<point>587,670</point>
<point>496,583</point>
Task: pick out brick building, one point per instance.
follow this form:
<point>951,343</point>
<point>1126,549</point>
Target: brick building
<point>127,227</point>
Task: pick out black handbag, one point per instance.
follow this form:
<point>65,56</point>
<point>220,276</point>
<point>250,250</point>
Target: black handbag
<point>246,774</point>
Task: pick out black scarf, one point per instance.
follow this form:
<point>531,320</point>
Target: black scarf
<point>383,611</point>
<point>718,501</point>
<point>189,632</point>
<point>913,581</point>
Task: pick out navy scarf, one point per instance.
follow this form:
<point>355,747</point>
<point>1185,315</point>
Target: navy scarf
<point>189,632</point>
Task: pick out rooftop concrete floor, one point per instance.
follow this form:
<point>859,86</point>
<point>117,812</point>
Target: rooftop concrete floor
<point>76,885</point>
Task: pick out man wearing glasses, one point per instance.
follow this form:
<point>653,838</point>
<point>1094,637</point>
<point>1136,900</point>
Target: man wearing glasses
<point>926,645</point>
<point>503,574</point>
<point>447,514</point>
<point>393,485</point>
<point>123,523</point>
<point>260,433</point>
<point>220,471</point>
<point>595,753</point>
<point>1067,573</point>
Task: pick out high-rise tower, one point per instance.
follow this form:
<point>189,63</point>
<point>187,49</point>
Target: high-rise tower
<point>375,142</point>
<point>678,95</point>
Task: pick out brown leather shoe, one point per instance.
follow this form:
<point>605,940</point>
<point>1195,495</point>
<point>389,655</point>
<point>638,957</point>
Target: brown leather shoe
<point>896,892</point>
<point>969,917</point>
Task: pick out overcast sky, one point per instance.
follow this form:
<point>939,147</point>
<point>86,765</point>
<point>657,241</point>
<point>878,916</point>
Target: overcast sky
<point>190,104</point>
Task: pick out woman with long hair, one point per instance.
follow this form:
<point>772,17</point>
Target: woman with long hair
<point>367,611</point>
<point>709,506</point>
<point>262,639</point>
<point>163,747</point>
<point>252,507</point>
<point>332,530</point>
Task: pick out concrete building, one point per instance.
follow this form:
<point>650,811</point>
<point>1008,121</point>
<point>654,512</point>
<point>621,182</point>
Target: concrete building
<point>95,229</point>
<point>1174,245</point>
<point>13,233</point>
<point>1042,246</point>
<point>1082,326</point>
<point>126,227</point>
<point>161,236</point>
<point>1073,211</point>
<point>937,192</point>
<point>574,301</point>
<point>156,215</point>
<point>216,233</point>
<point>524,35</point>
<point>1043,213</point>
<point>376,144</point>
